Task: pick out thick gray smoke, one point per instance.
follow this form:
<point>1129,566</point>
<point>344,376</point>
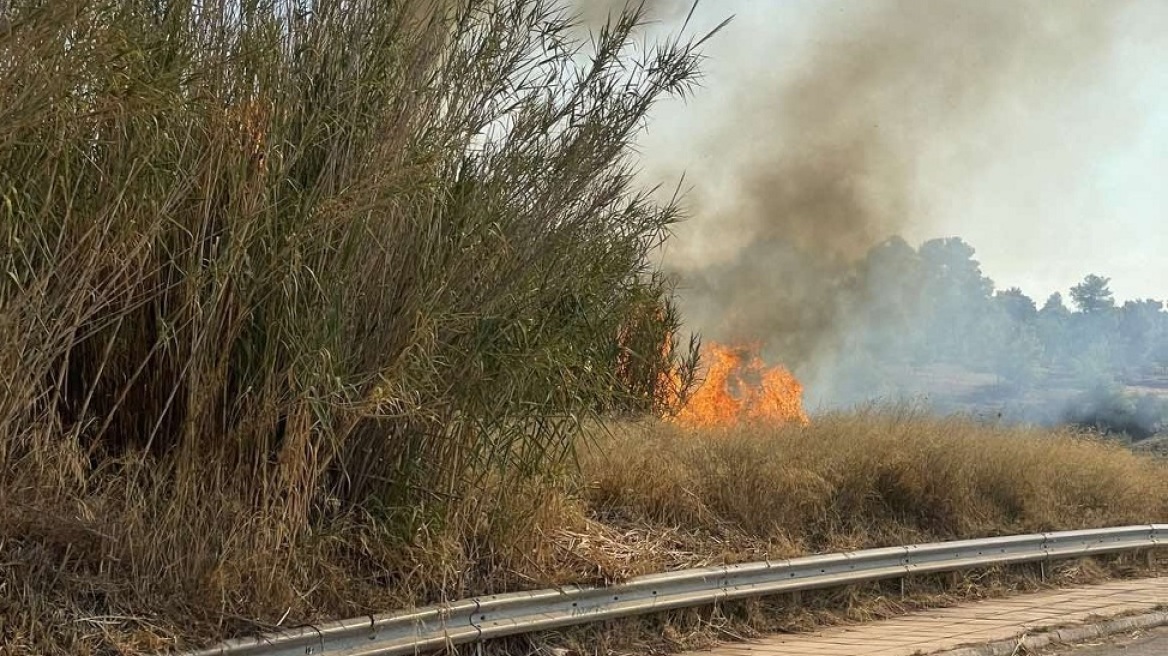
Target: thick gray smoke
<point>808,170</point>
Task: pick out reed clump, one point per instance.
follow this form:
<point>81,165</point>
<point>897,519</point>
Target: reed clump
<point>289,288</point>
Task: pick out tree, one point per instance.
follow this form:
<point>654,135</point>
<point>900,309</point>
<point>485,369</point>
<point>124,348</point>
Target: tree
<point>955,295</point>
<point>949,267</point>
<point>1054,330</point>
<point>1094,343</point>
<point>1018,356</point>
<point>1054,306</point>
<point>887,302</point>
<point>1093,295</point>
<point>1018,306</point>
<point>1006,341</point>
<point>891,266</point>
<point>1141,330</point>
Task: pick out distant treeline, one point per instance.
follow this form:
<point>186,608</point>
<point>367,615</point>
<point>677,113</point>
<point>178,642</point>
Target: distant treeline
<point>932,305</point>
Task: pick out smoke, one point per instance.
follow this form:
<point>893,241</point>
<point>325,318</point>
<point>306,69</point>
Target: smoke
<point>817,153</point>
<point>595,13</point>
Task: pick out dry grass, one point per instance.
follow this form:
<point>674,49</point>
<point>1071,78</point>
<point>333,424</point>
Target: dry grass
<point>128,564</point>
<point>122,564</point>
<point>868,479</point>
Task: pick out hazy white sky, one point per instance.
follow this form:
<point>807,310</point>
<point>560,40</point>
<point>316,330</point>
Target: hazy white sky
<point>1064,172</point>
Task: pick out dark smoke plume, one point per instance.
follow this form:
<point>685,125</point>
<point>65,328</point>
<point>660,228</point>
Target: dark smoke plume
<point>807,171</point>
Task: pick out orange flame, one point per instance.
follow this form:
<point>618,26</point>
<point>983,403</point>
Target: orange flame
<point>739,387</point>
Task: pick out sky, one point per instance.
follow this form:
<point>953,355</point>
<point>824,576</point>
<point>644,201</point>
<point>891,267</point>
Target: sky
<point>1035,130</point>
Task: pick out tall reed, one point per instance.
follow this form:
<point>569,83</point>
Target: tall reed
<point>271,262</point>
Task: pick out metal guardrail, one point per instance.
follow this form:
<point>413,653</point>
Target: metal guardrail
<point>473,620</point>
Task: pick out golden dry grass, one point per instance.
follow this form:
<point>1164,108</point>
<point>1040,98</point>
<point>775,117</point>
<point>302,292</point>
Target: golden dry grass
<point>869,478</point>
<point>130,564</point>
<point>120,562</point>
<point>127,563</point>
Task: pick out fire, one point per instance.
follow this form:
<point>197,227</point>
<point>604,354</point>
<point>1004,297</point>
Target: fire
<point>739,387</point>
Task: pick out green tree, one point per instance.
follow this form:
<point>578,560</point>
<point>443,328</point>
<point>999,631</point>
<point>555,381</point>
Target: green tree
<point>1054,305</point>
<point>1141,330</point>
<point>888,299</point>
<point>1053,324</point>
<point>1093,295</point>
<point>1093,328</point>
<point>955,298</point>
<point>1018,357</point>
<point>1017,305</point>
<point>1006,339</point>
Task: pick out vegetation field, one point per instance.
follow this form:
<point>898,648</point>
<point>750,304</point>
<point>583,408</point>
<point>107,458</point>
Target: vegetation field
<point>311,310</point>
<point>96,573</point>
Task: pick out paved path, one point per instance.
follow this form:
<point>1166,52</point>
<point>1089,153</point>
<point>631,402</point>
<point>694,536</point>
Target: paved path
<point>1150,643</point>
<point>947,628</point>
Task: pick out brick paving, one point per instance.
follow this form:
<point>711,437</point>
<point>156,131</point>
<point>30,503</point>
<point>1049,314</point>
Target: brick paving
<point>942,629</point>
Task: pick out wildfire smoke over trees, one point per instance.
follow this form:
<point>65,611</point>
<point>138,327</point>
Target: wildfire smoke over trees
<point>907,309</point>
